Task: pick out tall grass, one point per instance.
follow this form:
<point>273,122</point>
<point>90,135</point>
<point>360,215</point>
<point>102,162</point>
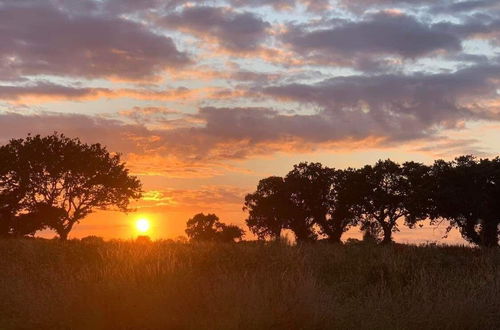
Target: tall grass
<point>161,285</point>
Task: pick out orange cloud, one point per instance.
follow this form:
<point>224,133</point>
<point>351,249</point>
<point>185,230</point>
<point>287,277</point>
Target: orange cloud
<point>44,92</point>
<point>176,166</point>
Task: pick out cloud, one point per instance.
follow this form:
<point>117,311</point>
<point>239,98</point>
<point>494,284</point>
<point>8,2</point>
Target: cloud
<point>311,5</point>
<point>384,108</point>
<point>39,92</point>
<point>276,4</point>
<point>42,39</point>
<point>207,198</point>
<point>93,129</point>
<point>398,106</point>
<point>353,111</point>
<point>233,30</point>
<point>383,34</point>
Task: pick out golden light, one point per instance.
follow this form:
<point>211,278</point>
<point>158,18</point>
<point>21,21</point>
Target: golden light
<point>142,225</point>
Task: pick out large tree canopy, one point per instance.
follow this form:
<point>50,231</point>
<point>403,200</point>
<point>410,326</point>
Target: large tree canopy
<point>311,200</point>
<point>268,208</point>
<point>58,181</point>
<point>467,193</point>
<point>315,201</point>
<point>392,192</point>
<point>309,186</point>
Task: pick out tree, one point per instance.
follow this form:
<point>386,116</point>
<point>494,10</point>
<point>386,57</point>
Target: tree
<point>392,192</point>
<point>208,228</point>
<point>309,187</point>
<point>344,199</point>
<point>41,216</point>
<point>490,226</point>
<point>466,193</point>
<point>11,192</point>
<point>68,178</point>
<point>268,208</point>
<point>229,233</point>
<point>310,196</point>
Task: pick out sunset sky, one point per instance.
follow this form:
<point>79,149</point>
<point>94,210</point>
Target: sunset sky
<point>205,98</point>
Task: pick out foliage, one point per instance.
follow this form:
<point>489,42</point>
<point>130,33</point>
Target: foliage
<point>310,196</point>
<point>467,193</point>
<point>268,208</point>
<point>344,201</point>
<point>391,192</point>
<point>208,228</point>
<point>58,181</point>
<point>316,201</point>
<point>309,187</point>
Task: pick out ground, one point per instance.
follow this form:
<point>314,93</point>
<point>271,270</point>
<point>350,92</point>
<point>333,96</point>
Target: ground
<point>165,285</point>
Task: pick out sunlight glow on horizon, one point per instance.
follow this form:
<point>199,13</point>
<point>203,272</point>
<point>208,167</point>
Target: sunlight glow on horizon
<point>142,225</point>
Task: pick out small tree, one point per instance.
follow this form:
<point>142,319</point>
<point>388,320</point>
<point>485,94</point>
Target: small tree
<point>229,233</point>
<point>208,228</point>
<point>67,177</point>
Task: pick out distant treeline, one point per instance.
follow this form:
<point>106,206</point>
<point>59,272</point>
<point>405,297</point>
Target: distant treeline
<point>53,182</point>
<point>315,201</point>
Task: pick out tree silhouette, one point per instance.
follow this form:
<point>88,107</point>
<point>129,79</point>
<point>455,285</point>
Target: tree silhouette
<point>63,180</point>
<point>269,208</point>
<point>208,228</point>
<point>12,193</point>
<point>390,193</point>
<point>344,200</point>
<point>309,188</point>
<point>467,193</point>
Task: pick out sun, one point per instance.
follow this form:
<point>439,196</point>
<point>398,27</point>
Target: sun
<point>142,225</point>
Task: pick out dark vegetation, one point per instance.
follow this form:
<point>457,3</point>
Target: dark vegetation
<point>208,228</point>
<point>54,182</point>
<point>314,201</point>
<point>249,285</point>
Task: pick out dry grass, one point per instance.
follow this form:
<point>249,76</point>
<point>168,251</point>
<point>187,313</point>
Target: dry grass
<point>127,285</point>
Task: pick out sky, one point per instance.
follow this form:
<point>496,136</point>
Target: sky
<point>205,98</point>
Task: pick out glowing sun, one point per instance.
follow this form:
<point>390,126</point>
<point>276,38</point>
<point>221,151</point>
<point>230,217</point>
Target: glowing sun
<point>142,225</point>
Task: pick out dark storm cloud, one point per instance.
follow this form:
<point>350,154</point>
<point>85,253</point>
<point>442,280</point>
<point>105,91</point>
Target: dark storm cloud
<point>379,34</point>
<point>41,39</point>
<point>236,31</point>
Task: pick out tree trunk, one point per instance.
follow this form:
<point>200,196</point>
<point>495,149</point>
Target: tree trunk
<point>335,237</point>
<point>63,235</point>
<point>387,235</point>
<point>64,231</point>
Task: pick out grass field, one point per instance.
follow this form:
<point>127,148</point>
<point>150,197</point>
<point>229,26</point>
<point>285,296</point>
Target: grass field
<point>162,285</point>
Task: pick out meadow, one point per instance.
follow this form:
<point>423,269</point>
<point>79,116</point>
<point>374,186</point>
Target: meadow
<point>49,284</point>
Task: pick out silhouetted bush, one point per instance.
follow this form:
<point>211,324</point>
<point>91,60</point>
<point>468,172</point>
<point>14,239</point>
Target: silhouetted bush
<point>208,228</point>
